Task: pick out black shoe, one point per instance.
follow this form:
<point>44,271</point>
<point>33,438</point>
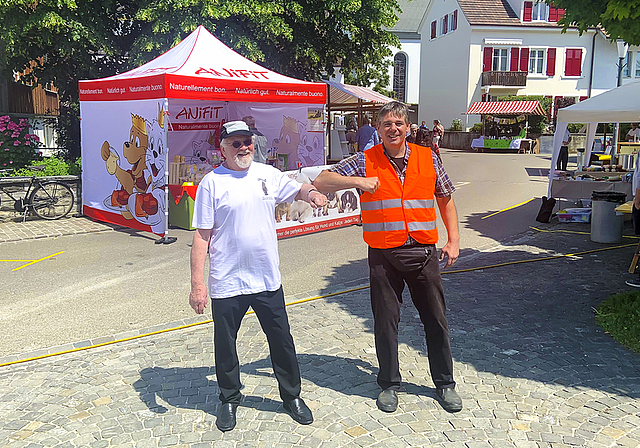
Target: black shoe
<point>449,399</point>
<point>388,400</point>
<point>635,282</point>
<point>298,411</point>
<point>226,420</point>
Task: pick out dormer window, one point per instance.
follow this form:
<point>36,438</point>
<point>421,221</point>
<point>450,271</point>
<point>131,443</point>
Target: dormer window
<point>539,11</point>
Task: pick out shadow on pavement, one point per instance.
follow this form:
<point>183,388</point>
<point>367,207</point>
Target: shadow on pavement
<point>534,320</point>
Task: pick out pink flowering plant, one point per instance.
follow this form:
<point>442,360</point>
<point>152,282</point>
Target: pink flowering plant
<point>17,146</point>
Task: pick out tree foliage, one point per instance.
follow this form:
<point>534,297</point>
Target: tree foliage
<point>64,41</point>
<point>619,18</point>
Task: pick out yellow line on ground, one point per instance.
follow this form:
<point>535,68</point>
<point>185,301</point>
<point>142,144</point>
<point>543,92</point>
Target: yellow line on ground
<point>36,261</point>
<point>508,208</point>
<point>18,361</point>
<point>577,232</point>
<point>17,261</point>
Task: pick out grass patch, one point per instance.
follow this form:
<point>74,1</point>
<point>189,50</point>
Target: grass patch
<point>619,316</point>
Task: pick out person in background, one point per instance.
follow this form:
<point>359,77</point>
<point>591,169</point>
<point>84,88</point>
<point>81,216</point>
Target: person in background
<point>413,132</point>
<point>423,125</point>
<point>436,133</point>
<point>366,137</point>
<point>400,185</point>
<point>563,156</point>
<point>260,142</point>
<point>350,135</point>
<point>234,217</point>
<point>634,133</point>
<point>423,138</point>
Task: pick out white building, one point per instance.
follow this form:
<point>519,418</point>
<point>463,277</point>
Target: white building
<point>480,50</point>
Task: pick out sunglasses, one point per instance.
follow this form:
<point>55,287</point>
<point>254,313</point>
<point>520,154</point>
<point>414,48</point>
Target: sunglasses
<point>238,144</point>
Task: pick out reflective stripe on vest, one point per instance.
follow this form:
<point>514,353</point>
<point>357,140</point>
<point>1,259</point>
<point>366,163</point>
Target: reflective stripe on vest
<point>379,205</point>
<point>418,203</point>
<point>382,226</point>
<point>397,210</point>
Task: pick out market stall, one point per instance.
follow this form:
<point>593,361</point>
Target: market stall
<point>504,124</point>
<point>619,105</point>
<point>159,125</point>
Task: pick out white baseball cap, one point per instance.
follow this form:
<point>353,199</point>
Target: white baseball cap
<point>233,128</point>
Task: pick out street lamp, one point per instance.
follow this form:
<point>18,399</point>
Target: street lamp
<point>623,47</point>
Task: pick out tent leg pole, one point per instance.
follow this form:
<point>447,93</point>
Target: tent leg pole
<point>166,239</point>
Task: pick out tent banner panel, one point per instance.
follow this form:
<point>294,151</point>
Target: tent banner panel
<point>343,209</point>
<point>295,131</point>
<point>123,153</point>
<point>194,131</point>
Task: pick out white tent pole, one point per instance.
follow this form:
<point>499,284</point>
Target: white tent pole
<point>591,134</point>
<point>561,127</point>
<point>166,239</point>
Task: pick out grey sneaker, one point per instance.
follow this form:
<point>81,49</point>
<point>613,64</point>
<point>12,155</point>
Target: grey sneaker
<point>388,400</point>
<point>449,399</point>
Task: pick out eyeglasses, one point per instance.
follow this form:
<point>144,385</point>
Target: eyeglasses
<point>238,144</point>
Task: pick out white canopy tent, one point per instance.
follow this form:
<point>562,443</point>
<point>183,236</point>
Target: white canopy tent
<point>619,105</point>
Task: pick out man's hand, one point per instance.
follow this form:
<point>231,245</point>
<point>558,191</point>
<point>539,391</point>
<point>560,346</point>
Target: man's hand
<point>369,184</point>
<point>317,199</point>
<point>451,250</point>
<point>198,298</point>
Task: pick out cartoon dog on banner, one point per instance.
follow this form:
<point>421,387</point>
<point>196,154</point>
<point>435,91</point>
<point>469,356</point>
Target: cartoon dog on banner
<point>139,193</point>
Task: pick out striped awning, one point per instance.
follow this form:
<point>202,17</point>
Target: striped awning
<point>506,108</point>
<point>349,94</point>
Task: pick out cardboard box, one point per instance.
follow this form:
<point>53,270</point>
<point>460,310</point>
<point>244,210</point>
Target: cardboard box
<point>575,215</point>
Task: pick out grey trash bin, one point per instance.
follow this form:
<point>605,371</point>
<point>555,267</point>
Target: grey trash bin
<point>606,223</point>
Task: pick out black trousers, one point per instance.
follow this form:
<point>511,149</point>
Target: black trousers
<point>425,286</point>
<point>563,158</point>
<point>270,310</point>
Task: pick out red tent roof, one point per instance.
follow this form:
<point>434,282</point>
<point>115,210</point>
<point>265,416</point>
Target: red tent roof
<point>506,108</point>
<point>201,67</point>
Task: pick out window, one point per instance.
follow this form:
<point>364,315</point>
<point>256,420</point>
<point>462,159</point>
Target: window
<point>626,69</point>
<point>453,20</point>
<point>536,61</point>
<point>637,64</point>
<point>400,76</point>
<point>539,11</point>
<point>443,25</point>
<point>434,29</point>
<point>500,59</point>
<point>573,62</point>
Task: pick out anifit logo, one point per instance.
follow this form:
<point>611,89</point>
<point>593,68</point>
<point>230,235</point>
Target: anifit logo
<point>231,73</point>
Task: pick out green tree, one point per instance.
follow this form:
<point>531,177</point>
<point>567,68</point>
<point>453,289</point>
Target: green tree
<point>64,41</point>
<point>620,18</point>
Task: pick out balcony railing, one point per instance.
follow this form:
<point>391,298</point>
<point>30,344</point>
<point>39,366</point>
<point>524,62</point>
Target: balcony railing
<point>517,79</point>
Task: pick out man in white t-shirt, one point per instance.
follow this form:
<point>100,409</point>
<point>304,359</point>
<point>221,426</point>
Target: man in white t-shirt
<point>234,217</point>
<point>634,133</point>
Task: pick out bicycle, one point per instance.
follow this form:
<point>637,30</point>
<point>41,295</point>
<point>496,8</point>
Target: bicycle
<point>48,199</point>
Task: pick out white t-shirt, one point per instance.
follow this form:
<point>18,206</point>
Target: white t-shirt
<point>240,208</point>
<point>633,133</point>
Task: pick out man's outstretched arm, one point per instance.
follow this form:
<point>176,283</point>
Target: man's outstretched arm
<point>330,182</point>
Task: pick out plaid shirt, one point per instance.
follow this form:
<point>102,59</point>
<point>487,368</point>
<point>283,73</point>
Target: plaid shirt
<point>355,166</point>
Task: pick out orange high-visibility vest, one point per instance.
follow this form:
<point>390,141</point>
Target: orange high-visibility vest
<point>396,211</point>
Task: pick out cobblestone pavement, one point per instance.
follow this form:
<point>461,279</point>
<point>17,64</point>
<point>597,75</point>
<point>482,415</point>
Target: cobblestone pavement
<point>533,369</point>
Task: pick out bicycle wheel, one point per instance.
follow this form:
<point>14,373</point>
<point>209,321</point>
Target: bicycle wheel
<point>52,200</point>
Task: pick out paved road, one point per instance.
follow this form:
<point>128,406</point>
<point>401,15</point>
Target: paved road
<point>111,282</point>
<point>531,365</point>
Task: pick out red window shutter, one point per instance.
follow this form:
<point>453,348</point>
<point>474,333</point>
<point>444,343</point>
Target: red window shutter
<point>573,62</point>
<point>515,58</point>
<point>444,24</point>
<point>577,62</point>
<point>560,13</point>
<point>434,28</point>
<point>551,62</point>
<point>553,13</point>
<point>488,59</point>
<point>454,23</point>
<point>524,60</point>
<point>528,11</point>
